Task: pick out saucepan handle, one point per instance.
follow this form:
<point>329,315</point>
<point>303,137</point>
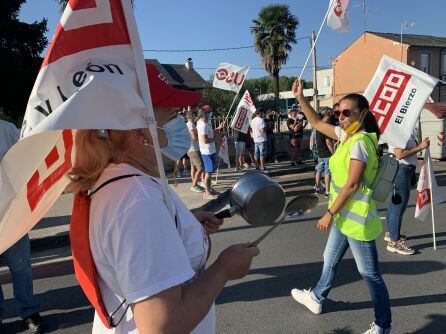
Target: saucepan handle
<point>226,213</point>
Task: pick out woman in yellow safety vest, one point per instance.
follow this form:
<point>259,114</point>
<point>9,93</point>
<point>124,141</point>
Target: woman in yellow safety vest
<point>351,209</point>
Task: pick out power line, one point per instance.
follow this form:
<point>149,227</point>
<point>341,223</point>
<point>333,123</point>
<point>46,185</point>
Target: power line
<point>261,68</point>
<point>200,50</point>
<point>210,50</point>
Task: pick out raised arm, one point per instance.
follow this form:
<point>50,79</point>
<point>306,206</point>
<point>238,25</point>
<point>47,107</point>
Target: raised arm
<point>311,115</point>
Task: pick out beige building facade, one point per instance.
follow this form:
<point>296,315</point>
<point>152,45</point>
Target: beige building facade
<point>353,69</point>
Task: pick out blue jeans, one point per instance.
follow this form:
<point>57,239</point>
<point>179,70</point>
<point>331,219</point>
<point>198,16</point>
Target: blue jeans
<point>366,258</point>
<point>18,259</point>
<point>395,212</point>
<point>260,149</point>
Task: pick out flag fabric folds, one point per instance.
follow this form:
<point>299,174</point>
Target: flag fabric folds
<point>88,80</point>
<point>397,94</point>
<point>223,153</point>
<point>337,17</point>
<point>230,77</point>
<point>427,185</point>
<point>243,113</point>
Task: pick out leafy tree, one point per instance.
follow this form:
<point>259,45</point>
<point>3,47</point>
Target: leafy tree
<point>20,46</point>
<point>274,32</point>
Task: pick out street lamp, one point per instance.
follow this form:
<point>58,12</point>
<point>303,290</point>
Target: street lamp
<point>404,26</point>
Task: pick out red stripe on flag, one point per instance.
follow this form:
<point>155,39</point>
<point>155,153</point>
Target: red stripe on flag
<point>36,190</point>
<point>82,4</point>
<point>423,198</point>
<point>381,103</point>
<point>69,42</point>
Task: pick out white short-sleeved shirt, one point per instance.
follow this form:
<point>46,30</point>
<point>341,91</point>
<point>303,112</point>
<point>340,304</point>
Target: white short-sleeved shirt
<point>257,124</point>
<point>138,248</point>
<point>358,151</point>
<point>204,128</point>
<point>194,146</point>
<point>410,160</point>
<point>9,135</point>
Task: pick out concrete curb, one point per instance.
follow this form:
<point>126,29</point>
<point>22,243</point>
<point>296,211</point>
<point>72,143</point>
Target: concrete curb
<point>62,239</point>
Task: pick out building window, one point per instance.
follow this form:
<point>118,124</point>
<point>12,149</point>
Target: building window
<point>327,81</point>
<point>444,65</point>
<point>425,62</point>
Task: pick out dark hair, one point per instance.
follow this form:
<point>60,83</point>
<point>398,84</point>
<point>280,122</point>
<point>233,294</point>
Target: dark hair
<point>370,124</point>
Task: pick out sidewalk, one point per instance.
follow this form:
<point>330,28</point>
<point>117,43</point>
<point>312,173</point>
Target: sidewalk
<point>52,230</point>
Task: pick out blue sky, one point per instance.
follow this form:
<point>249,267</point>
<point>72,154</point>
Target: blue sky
<point>200,24</point>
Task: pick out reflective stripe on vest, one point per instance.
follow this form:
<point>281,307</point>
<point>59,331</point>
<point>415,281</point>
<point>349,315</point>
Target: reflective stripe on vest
<point>358,196</point>
<point>357,218</point>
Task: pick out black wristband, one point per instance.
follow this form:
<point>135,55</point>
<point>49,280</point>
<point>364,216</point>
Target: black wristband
<point>330,213</point>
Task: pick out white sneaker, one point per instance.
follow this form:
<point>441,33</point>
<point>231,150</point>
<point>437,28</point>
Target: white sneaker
<point>375,329</point>
<point>304,297</point>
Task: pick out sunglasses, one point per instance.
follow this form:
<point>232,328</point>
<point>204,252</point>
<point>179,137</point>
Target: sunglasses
<point>345,112</point>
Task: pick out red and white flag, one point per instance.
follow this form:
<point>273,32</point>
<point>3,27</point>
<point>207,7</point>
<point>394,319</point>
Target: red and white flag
<point>223,153</point>
<point>397,94</point>
<point>426,182</point>
<point>337,17</point>
<point>230,77</point>
<point>90,79</point>
<point>243,113</point>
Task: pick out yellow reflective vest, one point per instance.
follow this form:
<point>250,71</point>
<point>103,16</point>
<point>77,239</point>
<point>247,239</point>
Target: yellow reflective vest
<point>358,218</point>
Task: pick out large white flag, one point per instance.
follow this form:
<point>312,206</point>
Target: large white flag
<point>427,178</point>
<point>337,17</point>
<point>243,113</point>
<point>397,94</point>
<point>230,77</point>
<point>89,79</point>
<point>223,153</point>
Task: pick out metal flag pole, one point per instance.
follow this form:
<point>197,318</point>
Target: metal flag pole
<point>429,166</point>
<point>317,37</point>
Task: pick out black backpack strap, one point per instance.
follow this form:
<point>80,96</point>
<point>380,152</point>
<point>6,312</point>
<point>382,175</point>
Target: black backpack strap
<point>110,181</point>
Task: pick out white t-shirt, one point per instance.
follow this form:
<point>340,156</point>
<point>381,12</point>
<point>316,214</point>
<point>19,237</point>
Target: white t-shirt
<point>257,124</point>
<point>194,146</point>
<point>9,135</point>
<point>204,128</point>
<point>410,160</point>
<point>138,248</point>
<point>358,151</point>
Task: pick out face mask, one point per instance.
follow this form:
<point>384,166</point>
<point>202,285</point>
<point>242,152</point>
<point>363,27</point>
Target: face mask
<point>355,126</point>
<point>178,139</point>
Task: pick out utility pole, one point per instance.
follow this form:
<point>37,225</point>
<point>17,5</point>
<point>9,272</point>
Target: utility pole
<point>315,100</point>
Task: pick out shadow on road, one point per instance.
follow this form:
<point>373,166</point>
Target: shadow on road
<point>285,278</point>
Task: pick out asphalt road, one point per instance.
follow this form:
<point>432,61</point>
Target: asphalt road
<point>290,257</point>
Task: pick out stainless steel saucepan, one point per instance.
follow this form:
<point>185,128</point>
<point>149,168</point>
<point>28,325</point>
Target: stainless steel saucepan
<point>257,198</point>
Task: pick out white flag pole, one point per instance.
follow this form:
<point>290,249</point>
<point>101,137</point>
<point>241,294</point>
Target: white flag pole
<point>317,37</point>
<point>226,118</point>
<point>429,166</point>
<point>143,82</point>
<point>232,104</point>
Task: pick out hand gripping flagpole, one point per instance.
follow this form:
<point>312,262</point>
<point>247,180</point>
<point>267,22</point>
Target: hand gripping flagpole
<point>317,37</point>
<point>145,93</point>
<point>429,166</point>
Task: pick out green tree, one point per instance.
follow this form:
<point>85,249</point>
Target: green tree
<point>20,46</point>
<point>274,32</point>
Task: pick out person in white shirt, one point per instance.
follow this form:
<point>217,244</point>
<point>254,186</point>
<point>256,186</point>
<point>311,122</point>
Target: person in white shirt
<point>206,140</point>
<point>150,261</point>
<point>407,158</point>
<point>196,163</point>
<point>258,127</point>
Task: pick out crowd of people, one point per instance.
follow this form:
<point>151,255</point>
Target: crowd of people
<point>131,222</point>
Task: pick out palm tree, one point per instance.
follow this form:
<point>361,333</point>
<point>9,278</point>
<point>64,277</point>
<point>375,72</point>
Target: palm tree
<point>274,31</point>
